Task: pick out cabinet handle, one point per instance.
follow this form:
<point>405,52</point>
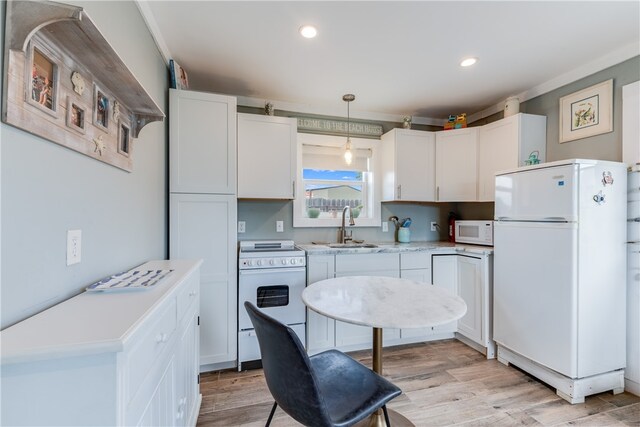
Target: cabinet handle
<point>294,189</point>
<point>161,337</point>
<point>399,191</point>
<point>438,192</point>
<point>193,293</point>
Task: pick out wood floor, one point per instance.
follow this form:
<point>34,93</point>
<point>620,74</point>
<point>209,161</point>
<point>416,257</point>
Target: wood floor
<point>443,383</point>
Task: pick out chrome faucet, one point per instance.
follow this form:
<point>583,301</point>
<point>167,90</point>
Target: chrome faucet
<point>344,236</point>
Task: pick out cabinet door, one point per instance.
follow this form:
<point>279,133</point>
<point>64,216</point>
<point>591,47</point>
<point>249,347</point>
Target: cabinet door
<point>444,275</point>
<point>202,149</point>
<point>470,289</point>
<point>419,275</point>
<point>497,151</point>
<point>320,329</point>
<point>456,165</point>
<point>161,409</point>
<point>415,165</point>
<point>204,226</point>
<point>187,368</point>
<point>348,334</point>
<point>266,156</point>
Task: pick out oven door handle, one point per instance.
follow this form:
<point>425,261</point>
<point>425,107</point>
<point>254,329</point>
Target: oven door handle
<point>272,270</point>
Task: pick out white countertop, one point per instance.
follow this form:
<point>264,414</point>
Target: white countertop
<point>388,247</point>
<point>90,323</point>
<point>383,302</point>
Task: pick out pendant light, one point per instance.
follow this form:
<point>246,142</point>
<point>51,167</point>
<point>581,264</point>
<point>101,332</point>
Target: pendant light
<point>348,155</point>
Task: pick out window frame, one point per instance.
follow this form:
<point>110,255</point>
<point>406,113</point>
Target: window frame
<point>372,184</point>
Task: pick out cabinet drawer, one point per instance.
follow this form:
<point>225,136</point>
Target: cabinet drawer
<point>151,344</point>
<point>366,262</point>
<point>188,295</point>
<point>414,260</point>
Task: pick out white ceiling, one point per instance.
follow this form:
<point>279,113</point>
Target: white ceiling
<point>398,58</point>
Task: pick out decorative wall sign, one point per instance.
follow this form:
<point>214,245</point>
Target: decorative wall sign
<point>339,127</point>
<point>587,112</point>
<point>54,57</point>
<point>76,115</point>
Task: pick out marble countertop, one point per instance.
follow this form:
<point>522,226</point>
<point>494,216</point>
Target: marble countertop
<point>383,302</point>
<point>389,247</point>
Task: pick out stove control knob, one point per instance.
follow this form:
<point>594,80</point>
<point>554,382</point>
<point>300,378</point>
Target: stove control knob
<point>293,261</point>
<point>284,261</point>
<point>249,262</point>
<point>272,262</point>
<point>259,262</point>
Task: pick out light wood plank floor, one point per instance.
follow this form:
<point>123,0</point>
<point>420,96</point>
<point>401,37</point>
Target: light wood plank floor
<point>443,383</point>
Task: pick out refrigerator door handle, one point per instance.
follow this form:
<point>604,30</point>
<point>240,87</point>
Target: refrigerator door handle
<point>544,219</point>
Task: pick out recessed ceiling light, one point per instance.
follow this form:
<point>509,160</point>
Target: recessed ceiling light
<point>308,31</point>
<point>467,62</point>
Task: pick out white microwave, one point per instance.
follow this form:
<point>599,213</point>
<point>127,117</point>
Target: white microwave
<point>474,232</point>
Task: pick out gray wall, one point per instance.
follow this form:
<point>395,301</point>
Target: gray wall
<point>606,146</point>
<point>48,189</point>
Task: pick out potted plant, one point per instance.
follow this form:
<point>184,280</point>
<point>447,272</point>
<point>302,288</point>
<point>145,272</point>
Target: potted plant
<point>355,212</point>
<point>313,212</point>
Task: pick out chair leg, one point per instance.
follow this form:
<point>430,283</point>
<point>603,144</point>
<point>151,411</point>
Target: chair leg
<point>386,415</point>
<point>273,410</point>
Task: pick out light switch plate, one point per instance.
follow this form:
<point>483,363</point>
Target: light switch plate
<point>74,246</point>
<point>279,226</point>
<point>385,226</point>
<point>433,226</point>
<point>241,226</point>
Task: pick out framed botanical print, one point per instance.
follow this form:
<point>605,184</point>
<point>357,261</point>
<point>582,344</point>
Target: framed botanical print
<point>587,112</point>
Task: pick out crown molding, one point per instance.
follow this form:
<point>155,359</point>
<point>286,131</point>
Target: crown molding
<point>152,26</point>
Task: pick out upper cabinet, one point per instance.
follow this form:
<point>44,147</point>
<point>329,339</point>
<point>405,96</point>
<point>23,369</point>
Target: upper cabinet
<point>202,129</point>
<point>506,144</point>
<point>408,165</point>
<point>456,165</point>
<point>266,157</point>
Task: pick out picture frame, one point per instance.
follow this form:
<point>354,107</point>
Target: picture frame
<point>179,78</point>
<point>76,115</point>
<point>101,108</point>
<point>42,78</point>
<point>124,138</point>
<point>586,113</point>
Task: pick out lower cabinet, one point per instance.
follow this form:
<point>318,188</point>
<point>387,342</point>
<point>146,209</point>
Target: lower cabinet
<point>121,358</point>
<point>470,277</point>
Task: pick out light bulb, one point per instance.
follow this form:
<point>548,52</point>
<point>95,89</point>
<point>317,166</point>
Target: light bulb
<point>348,155</point>
<point>308,31</point>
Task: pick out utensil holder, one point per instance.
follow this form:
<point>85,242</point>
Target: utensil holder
<point>404,235</point>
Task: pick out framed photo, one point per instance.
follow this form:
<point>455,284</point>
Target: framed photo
<point>42,78</point>
<point>587,112</point>
<point>101,108</point>
<point>124,139</point>
<point>76,115</point>
<point>179,79</point>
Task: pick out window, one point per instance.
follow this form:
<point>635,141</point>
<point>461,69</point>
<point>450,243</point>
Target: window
<point>327,184</point>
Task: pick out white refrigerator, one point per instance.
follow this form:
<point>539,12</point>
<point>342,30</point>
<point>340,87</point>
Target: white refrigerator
<point>560,273</point>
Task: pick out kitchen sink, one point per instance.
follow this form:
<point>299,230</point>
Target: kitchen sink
<point>352,245</point>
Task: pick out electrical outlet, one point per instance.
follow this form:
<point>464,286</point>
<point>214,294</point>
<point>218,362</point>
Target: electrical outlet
<point>385,226</point>
<point>434,226</point>
<point>241,226</point>
<point>279,226</point>
<point>74,246</point>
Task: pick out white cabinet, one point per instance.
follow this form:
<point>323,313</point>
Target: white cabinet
<point>321,333</point>
<point>416,266</point>
<point>445,276</point>
<point>382,264</point>
<point>111,358</point>
<point>202,152</point>
<point>456,165</point>
<point>408,165</point>
<point>203,226</point>
<point>469,272</point>
<point>506,144</point>
<point>470,276</point>
<point>266,156</point>
<point>203,212</point>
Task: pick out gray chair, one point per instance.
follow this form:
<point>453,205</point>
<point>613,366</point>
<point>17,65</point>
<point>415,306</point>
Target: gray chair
<point>329,389</point>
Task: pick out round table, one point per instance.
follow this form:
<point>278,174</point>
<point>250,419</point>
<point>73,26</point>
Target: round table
<point>383,302</point>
